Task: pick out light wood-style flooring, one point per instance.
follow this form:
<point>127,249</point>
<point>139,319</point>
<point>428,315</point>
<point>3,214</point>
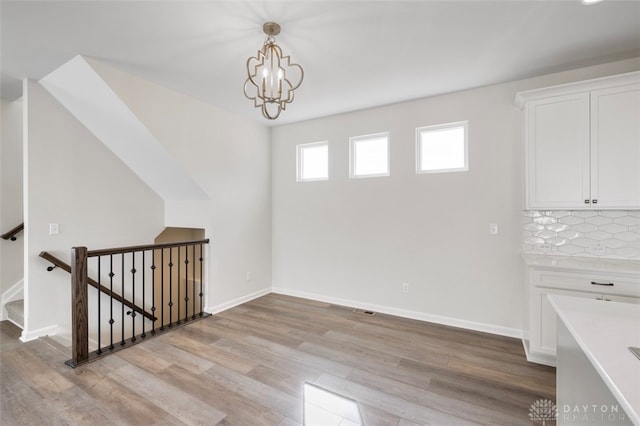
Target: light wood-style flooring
<point>247,366</point>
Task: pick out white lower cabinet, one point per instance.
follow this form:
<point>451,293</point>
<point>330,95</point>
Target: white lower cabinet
<point>543,324</point>
<point>542,280</point>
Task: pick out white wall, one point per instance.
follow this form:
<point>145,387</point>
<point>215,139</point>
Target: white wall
<point>73,180</point>
<point>355,241</point>
<point>11,252</point>
<point>228,157</point>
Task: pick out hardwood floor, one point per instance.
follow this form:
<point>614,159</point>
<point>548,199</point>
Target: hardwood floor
<point>247,366</point>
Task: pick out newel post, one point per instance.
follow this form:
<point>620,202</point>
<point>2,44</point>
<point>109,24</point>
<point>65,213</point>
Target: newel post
<point>79,307</point>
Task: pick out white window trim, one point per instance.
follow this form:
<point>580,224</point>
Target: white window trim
<point>299,149</point>
<point>465,125</point>
<point>352,157</point>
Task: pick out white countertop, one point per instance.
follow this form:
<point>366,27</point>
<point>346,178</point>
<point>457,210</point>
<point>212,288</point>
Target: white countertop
<point>604,331</point>
<point>592,264</point>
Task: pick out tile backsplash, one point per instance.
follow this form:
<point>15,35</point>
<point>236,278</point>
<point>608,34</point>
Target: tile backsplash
<point>611,234</point>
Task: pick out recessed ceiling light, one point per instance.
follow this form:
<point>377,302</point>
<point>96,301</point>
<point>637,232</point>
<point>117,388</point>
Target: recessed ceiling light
<point>588,2</point>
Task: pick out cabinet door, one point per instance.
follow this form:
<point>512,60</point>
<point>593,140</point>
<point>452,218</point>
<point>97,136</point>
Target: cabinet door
<point>615,147</point>
<point>558,152</point>
<point>542,334</point>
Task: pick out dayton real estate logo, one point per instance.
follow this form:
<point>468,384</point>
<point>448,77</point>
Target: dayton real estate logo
<point>543,410</point>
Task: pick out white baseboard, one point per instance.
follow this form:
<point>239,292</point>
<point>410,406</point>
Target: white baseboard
<point>11,294</point>
<point>538,358</point>
<point>542,359</point>
<point>421,316</point>
<point>238,301</point>
<point>29,335</point>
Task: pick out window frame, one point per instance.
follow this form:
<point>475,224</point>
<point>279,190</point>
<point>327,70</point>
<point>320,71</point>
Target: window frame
<point>353,140</point>
<point>419,130</point>
<point>299,165</point>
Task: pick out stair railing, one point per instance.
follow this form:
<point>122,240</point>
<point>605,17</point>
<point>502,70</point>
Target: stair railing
<point>11,234</point>
<point>93,283</point>
<point>167,279</point>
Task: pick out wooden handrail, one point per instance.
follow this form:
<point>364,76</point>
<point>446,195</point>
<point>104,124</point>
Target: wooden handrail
<point>118,250</point>
<point>93,283</point>
<point>11,235</point>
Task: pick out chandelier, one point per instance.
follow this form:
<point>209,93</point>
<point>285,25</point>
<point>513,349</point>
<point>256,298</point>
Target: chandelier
<point>272,78</point>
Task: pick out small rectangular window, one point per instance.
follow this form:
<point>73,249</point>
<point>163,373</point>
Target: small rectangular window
<point>442,148</point>
<point>313,161</point>
<point>369,155</point>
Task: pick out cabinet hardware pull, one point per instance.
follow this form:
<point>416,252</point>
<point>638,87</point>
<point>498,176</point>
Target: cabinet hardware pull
<point>586,201</point>
<point>594,201</point>
<point>597,283</point>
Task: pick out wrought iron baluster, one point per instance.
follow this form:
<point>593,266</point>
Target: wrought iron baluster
<point>162,288</point>
<point>122,342</point>
<point>99,351</point>
<point>178,285</point>
<point>170,287</point>
<point>133,296</point>
<point>153,290</point>
<point>144,306</point>
<point>111,320</point>
<point>201,294</point>
<point>186,283</point>
<point>193,301</point>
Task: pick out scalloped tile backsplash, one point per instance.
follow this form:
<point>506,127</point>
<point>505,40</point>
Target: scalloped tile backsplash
<point>611,234</point>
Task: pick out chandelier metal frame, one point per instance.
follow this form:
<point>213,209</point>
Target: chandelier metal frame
<point>270,84</point>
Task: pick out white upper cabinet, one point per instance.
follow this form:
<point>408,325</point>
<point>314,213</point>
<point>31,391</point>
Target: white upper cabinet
<point>615,147</point>
<point>558,151</point>
<point>582,144</point>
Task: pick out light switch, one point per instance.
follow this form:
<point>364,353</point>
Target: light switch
<point>54,229</point>
<point>493,228</point>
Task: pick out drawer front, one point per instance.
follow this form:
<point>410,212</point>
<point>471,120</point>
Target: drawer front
<point>595,283</point>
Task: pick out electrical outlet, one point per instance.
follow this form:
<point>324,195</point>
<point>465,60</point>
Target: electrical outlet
<point>544,247</point>
<point>405,287</point>
<point>493,229</point>
<point>248,276</point>
<point>598,249</point>
<point>54,229</point>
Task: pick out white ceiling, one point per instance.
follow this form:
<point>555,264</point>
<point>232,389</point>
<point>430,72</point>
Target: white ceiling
<point>356,54</point>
